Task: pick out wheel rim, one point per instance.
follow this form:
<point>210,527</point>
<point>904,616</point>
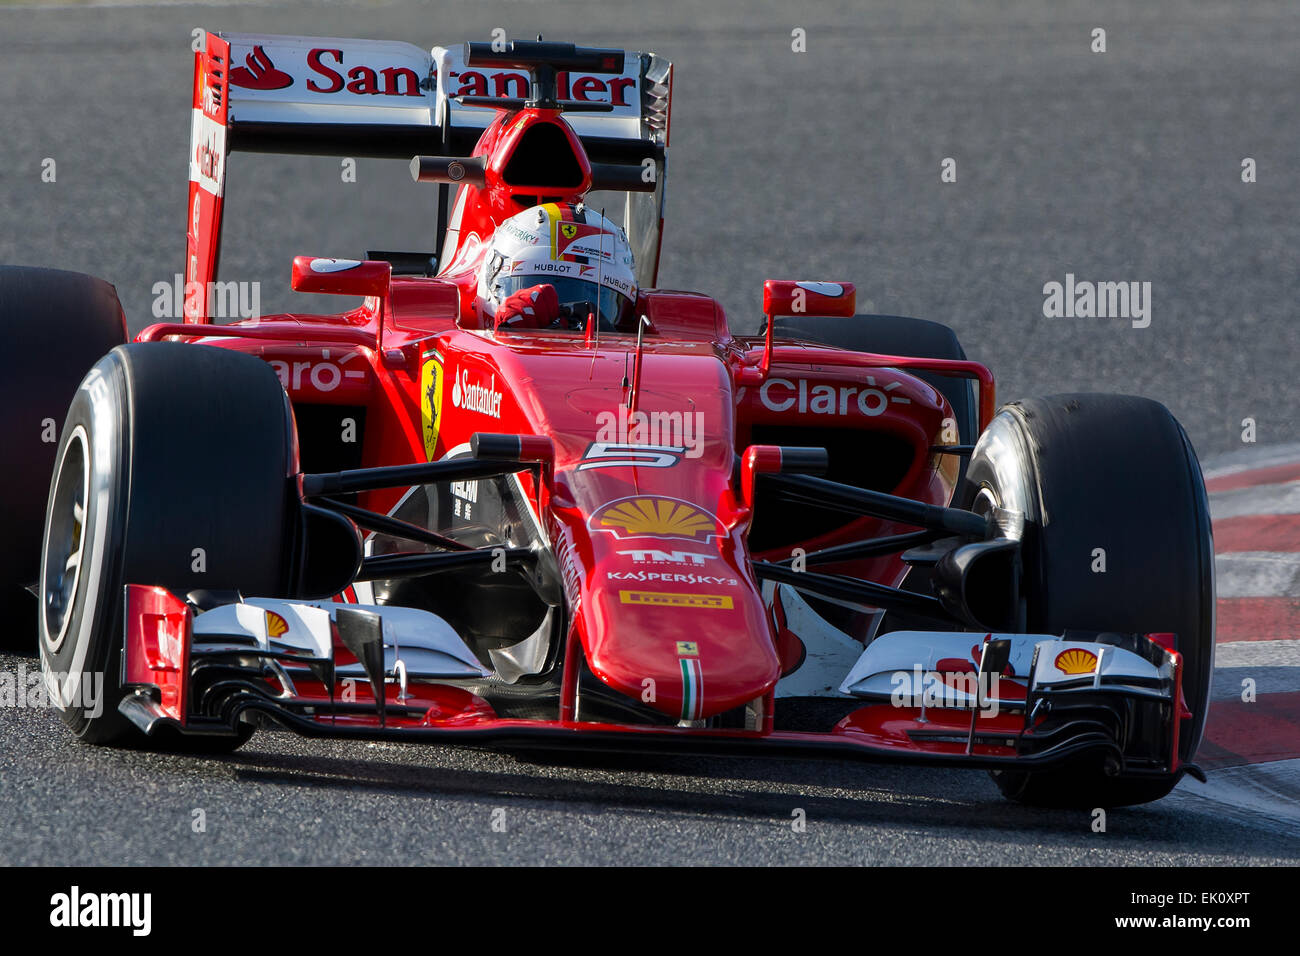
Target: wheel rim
<point>1007,491</point>
<point>65,539</point>
<point>986,501</point>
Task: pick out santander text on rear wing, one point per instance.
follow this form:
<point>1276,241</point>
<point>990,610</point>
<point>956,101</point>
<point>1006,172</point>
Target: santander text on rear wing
<point>389,99</point>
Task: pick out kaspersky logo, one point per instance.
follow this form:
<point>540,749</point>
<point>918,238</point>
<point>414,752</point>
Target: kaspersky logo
<point>474,397</point>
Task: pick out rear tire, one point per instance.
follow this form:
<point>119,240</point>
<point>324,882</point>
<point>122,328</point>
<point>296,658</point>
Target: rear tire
<point>173,470</point>
<point>55,325</point>
<point>1118,473</point>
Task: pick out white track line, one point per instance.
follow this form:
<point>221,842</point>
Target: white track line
<point>1257,574</point>
<point>1235,462</point>
<point>1281,499</point>
<point>1266,793</point>
<point>1274,666</point>
<point>1258,654</point>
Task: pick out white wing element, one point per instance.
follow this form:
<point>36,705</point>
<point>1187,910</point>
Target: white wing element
<point>425,643</point>
<point>902,663</point>
<point>321,80</point>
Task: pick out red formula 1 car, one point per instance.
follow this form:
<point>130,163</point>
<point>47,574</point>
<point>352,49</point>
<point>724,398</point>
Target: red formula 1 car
<point>523,498</point>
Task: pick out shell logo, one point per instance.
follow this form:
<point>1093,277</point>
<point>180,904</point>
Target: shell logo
<point>275,624</point>
<point>1076,660</point>
<point>657,517</point>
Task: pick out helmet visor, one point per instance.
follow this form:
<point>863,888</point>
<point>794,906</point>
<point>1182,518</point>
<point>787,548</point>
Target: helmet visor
<point>617,312</point>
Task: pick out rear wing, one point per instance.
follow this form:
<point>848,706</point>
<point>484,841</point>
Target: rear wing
<point>380,98</point>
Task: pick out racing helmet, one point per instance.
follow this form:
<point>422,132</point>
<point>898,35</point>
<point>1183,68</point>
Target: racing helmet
<point>584,256</point>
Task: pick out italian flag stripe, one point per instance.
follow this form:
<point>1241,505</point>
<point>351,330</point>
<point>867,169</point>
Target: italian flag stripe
<point>692,689</point>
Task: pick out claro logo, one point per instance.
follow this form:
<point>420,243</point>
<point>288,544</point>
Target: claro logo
<point>321,375</point>
<point>783,395</point>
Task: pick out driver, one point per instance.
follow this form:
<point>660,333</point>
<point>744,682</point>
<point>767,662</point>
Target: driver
<point>554,266</point>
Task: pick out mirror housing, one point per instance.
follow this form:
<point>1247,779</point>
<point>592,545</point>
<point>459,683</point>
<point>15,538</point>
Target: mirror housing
<point>341,276</point>
<point>797,297</point>
<point>790,297</point>
<point>470,170</point>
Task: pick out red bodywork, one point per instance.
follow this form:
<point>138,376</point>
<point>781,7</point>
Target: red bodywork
<point>693,649</point>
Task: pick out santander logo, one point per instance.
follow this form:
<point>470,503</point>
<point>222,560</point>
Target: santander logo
<point>473,397</point>
<point>207,156</point>
<point>335,70</point>
<point>260,73</point>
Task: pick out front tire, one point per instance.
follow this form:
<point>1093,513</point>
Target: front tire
<point>1115,473</point>
<point>174,470</point>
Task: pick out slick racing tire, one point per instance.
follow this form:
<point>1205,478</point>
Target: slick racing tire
<point>55,325</point>
<point>1118,473</point>
<point>173,469</point>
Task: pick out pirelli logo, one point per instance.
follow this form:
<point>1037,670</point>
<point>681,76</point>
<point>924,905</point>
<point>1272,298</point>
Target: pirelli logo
<point>676,599</point>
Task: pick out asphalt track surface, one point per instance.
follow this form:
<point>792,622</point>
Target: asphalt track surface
<point>1116,166</point>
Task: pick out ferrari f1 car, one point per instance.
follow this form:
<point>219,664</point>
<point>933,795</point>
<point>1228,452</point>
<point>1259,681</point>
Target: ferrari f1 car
<point>520,497</point>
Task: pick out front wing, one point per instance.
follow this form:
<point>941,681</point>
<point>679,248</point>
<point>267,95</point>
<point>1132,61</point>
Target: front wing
<point>997,702</point>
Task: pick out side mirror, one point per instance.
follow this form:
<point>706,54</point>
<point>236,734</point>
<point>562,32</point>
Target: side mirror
<point>341,276</point>
<point>788,297</point>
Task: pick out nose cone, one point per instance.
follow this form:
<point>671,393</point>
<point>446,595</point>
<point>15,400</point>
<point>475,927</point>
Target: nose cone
<point>677,626</point>
<point>689,654</point>
<point>648,532</point>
